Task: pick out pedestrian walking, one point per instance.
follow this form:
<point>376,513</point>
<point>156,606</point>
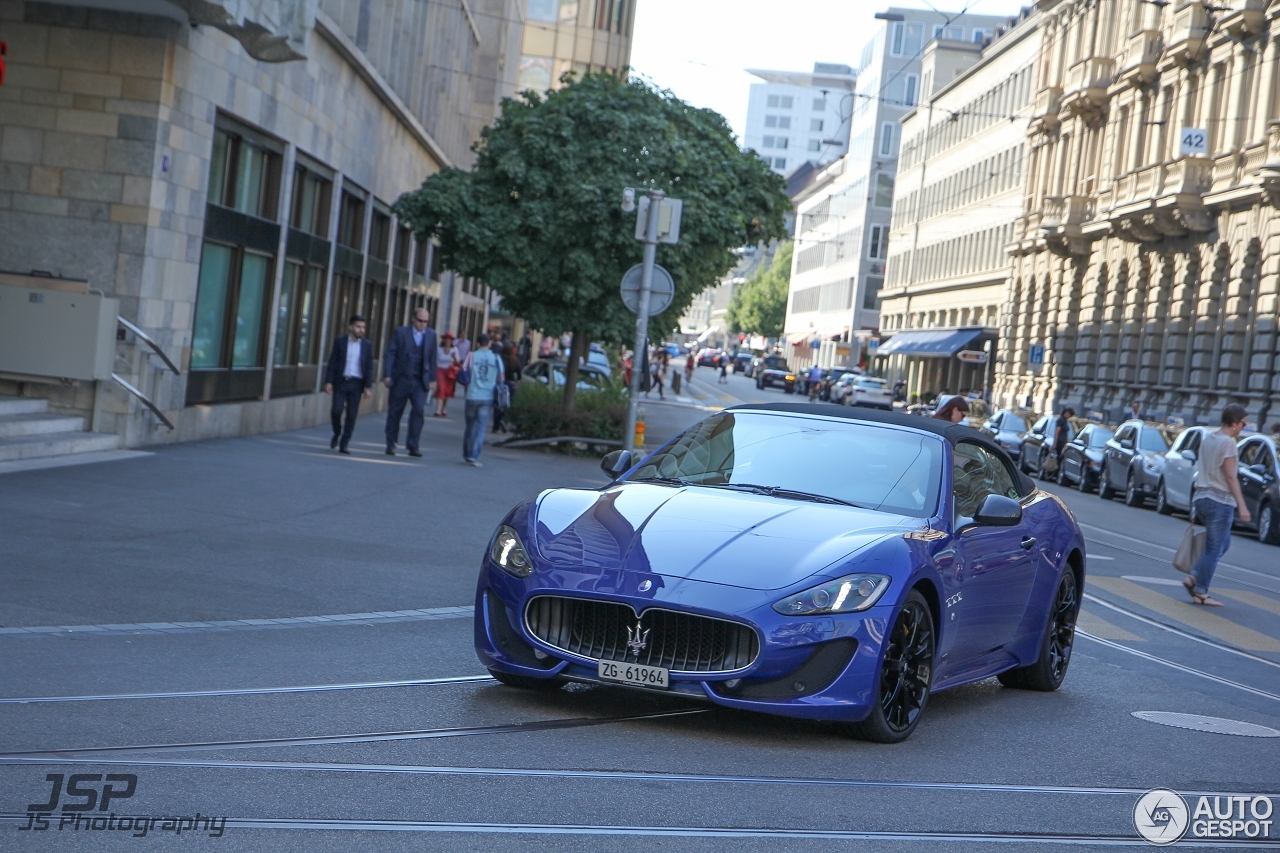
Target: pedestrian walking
<point>409,370</point>
<point>724,372</point>
<point>448,363</point>
<point>348,378</point>
<point>1061,432</point>
<point>1217,500</point>
<point>525,351</point>
<point>1135,411</point>
<point>955,410</point>
<point>690,364</point>
<point>486,372</point>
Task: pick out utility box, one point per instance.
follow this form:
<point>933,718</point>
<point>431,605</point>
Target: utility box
<point>55,328</point>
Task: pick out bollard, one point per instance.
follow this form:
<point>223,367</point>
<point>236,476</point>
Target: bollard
<point>640,427</point>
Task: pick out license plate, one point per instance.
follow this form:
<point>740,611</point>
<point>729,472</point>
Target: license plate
<point>633,673</point>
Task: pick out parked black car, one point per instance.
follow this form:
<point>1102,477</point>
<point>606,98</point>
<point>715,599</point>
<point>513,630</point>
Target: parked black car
<point>741,360</point>
<point>1038,444</point>
<point>1081,461</point>
<point>1133,461</point>
<point>772,371</point>
<point>1260,486</point>
<point>1007,428</point>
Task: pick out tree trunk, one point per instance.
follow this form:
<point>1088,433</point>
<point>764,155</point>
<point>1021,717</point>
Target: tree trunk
<point>577,354</point>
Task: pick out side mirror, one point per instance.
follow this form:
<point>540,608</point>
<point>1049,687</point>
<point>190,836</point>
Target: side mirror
<point>1260,470</point>
<point>1127,444</point>
<point>615,464</point>
<point>1189,455</point>
<point>999,511</point>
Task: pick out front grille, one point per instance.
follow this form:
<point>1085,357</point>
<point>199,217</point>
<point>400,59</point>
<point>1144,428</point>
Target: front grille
<point>678,641</point>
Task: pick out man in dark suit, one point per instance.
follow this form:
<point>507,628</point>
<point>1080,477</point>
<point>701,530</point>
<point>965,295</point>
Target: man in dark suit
<point>409,370</point>
<point>348,377</point>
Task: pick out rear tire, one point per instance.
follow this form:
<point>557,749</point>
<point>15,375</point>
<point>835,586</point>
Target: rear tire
<point>1022,461</point>
<point>906,674</point>
<point>1133,497</point>
<point>525,682</point>
<point>1105,491</point>
<point>1268,524</point>
<point>1063,480</point>
<point>1162,500</point>
<point>1047,673</point>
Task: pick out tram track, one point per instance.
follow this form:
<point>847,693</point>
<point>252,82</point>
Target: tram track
<point>369,737</point>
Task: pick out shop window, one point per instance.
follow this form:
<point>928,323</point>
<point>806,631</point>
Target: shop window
<point>298,320</point>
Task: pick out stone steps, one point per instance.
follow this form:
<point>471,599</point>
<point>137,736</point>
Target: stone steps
<point>29,431</point>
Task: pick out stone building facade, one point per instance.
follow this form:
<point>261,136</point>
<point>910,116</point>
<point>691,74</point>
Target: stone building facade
<point>226,172</point>
<point>1146,262</point>
<point>959,190</point>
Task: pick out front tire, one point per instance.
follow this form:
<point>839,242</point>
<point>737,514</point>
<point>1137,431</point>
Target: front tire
<point>526,682</point>
<point>906,674</point>
<point>1268,524</point>
<point>1162,500</point>
<point>1047,673</point>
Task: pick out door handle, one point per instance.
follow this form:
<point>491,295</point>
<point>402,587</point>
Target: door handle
<point>1028,542</point>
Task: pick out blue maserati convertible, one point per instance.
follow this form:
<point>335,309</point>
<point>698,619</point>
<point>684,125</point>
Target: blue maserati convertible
<point>793,559</point>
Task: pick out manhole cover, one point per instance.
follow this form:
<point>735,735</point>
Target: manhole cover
<point>1215,725</point>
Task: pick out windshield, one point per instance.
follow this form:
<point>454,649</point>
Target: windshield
<point>1100,437</point>
<point>1013,423</point>
<point>775,362</point>
<point>871,383</point>
<point>587,379</point>
<point>874,467</point>
<point>1154,440</point>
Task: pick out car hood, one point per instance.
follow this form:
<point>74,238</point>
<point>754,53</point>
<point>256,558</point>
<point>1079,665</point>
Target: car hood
<point>711,535</point>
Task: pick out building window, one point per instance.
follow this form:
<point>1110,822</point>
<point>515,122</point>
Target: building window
<point>819,105</point>
<point>815,144</point>
<point>768,141</point>
<point>780,101</point>
<point>815,125</point>
<point>351,223</point>
<point>312,196</point>
<point>888,138</point>
<point>871,294</point>
<point>243,175</point>
<point>784,122</point>
<point>950,33</point>
<point>779,162</point>
<point>910,89</point>
<point>884,190</point>
<point>380,235</point>
<point>534,73</point>
<point>908,38</point>
<point>298,321</point>
<point>230,304</point>
<point>980,35</point>
<point>878,248</point>
<point>770,121</point>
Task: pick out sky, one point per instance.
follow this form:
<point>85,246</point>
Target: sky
<point>699,48</point>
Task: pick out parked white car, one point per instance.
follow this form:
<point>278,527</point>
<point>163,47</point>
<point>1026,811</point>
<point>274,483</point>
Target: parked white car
<point>1180,464</point>
<point>856,390</point>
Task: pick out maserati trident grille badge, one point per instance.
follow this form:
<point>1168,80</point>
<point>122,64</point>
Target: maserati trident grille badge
<point>637,640</point>
<point>646,585</point>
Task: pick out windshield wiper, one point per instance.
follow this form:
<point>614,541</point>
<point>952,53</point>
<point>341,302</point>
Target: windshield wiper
<point>780,492</point>
<point>666,481</point>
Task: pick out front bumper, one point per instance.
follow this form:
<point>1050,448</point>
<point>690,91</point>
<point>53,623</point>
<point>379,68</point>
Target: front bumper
<point>820,667</point>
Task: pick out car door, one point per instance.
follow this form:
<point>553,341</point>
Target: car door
<point>1072,461</point>
<point>994,566</point>
<point>1253,483</point>
<point>1115,459</point>
<point>1179,469</point>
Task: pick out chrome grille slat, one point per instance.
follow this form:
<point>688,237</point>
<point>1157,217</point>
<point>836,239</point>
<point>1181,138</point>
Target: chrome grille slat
<point>679,641</point>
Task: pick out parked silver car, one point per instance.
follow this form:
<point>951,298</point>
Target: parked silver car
<point>1173,492</point>
<point>856,390</point>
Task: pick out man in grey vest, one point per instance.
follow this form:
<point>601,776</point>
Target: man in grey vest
<point>409,370</point>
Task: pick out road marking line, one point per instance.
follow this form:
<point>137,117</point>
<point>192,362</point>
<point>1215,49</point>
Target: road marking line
<point>1251,598</point>
<point>1095,624</point>
<point>1188,614</point>
<point>250,691</point>
<point>421,615</point>
<point>1180,667</point>
<point>1221,565</point>
<point>1153,581</point>
<point>1181,633</point>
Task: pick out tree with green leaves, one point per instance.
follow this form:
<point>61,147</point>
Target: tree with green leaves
<point>538,217</point>
<point>759,305</point>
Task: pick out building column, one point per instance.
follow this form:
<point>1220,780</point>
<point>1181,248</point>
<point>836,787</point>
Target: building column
<point>282,216</point>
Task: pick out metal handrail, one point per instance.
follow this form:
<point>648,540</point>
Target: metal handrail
<point>146,339</point>
<point>155,410</point>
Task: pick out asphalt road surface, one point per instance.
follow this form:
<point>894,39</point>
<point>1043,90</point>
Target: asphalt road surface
<point>262,631</point>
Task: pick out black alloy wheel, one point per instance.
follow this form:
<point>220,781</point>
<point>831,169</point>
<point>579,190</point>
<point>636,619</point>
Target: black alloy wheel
<point>1268,524</point>
<point>1083,483</point>
<point>1162,500</point>
<point>1022,460</point>
<point>1063,480</point>
<point>1049,670</point>
<point>1133,496</point>
<point>906,675</point>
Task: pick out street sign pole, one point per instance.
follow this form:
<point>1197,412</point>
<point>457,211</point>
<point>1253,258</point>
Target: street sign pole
<point>642,315</point>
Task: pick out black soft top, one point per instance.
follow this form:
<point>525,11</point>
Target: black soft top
<point>952,433</point>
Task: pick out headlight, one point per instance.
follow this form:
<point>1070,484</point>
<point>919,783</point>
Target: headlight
<point>509,553</point>
<point>848,594</point>
<point>790,378</point>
